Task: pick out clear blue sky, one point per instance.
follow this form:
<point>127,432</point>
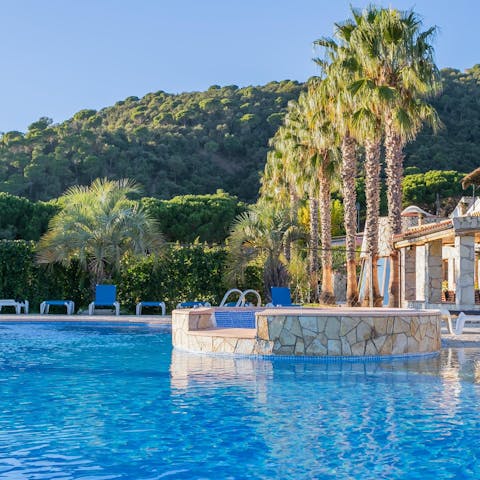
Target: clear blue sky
<point>60,56</point>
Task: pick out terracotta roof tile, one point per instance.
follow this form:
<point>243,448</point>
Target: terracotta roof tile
<point>420,230</point>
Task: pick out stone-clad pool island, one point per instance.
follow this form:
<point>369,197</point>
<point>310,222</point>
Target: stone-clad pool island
<point>310,332</point>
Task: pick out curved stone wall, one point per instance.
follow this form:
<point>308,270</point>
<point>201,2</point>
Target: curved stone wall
<point>312,332</point>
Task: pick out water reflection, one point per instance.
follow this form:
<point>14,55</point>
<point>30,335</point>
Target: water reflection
<point>351,420</point>
<point>452,365</point>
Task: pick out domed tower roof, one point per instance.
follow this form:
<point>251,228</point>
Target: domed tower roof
<point>414,211</point>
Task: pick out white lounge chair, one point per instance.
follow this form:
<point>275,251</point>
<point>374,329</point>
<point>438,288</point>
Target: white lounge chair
<point>68,304</point>
<point>18,305</point>
<point>445,314</point>
<point>462,319</point>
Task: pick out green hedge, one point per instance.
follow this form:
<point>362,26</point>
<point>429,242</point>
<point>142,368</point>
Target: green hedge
<point>193,272</point>
<point>21,277</point>
<point>185,218</point>
<point>23,219</point>
<point>181,273</point>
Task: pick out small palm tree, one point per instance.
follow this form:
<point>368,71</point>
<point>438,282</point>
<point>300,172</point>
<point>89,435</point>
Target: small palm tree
<point>96,226</point>
<point>259,236</point>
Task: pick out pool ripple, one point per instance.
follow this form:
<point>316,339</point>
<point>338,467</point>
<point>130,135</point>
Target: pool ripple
<point>100,402</point>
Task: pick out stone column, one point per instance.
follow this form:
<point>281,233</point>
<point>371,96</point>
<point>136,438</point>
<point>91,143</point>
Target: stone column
<point>434,272</point>
<point>420,263</point>
<point>465,269</point>
<point>451,273</point>
<point>408,274</point>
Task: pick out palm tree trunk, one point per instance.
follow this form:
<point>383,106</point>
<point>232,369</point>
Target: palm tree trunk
<point>274,274</point>
<point>372,193</point>
<point>327,295</point>
<point>313,252</point>
<point>394,168</point>
<point>287,251</point>
<point>348,174</point>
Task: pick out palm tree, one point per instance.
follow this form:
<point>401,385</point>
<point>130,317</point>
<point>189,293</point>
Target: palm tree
<point>289,169</point>
<point>315,146</point>
<point>409,70</point>
<point>304,168</point>
<point>395,59</point>
<point>259,235</point>
<point>279,180</point>
<point>326,148</point>
<point>303,164</point>
<point>96,226</point>
<point>338,74</point>
<point>348,174</point>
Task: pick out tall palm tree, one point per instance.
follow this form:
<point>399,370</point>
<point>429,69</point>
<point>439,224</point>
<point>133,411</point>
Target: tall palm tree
<point>96,226</point>
<point>286,170</point>
<point>304,167</point>
<point>315,142</point>
<point>279,182</point>
<point>338,74</point>
<point>326,147</point>
<point>396,61</point>
<point>304,144</point>
<point>367,119</point>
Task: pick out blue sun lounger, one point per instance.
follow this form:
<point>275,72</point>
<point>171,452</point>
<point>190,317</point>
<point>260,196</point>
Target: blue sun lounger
<point>105,296</point>
<point>281,297</point>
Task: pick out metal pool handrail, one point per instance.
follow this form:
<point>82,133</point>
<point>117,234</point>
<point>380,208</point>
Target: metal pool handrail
<point>242,297</point>
<point>241,300</point>
<point>225,297</point>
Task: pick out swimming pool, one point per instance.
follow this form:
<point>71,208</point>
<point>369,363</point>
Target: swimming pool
<point>114,402</point>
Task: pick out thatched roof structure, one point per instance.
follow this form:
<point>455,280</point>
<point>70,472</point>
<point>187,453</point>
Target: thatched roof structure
<point>473,178</point>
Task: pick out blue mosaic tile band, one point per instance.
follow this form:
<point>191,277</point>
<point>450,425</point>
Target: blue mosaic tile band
<point>320,359</point>
<point>235,319</point>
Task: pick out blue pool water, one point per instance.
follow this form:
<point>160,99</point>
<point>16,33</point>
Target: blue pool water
<point>102,402</point>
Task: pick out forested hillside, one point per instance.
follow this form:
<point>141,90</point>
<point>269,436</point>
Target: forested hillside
<point>457,145</point>
<point>191,143</point>
<point>196,143</point>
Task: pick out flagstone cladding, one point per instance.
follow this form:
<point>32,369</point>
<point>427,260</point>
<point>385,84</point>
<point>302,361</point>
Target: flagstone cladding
<point>312,332</point>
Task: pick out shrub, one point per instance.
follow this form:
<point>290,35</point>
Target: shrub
<point>180,273</point>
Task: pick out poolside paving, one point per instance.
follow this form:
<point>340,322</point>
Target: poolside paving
<point>35,317</point>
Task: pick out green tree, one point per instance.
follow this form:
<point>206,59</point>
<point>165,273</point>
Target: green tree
<point>433,190</point>
<point>96,226</point>
<point>300,167</point>
<point>190,143</point>
<point>394,59</point>
<point>186,218</point>
<point>22,219</point>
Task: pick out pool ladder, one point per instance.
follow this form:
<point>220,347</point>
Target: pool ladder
<point>242,301</point>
